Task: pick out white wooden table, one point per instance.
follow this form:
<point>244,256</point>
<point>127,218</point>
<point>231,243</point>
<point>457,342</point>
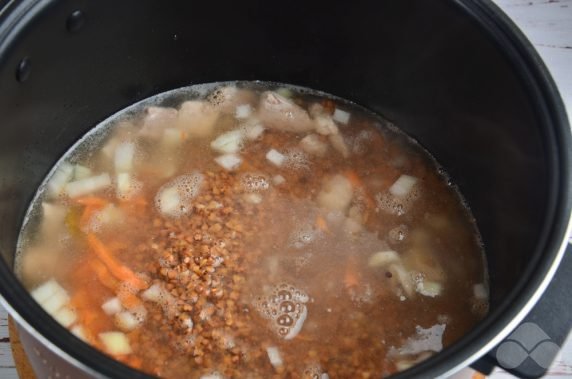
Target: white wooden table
<point>548,25</point>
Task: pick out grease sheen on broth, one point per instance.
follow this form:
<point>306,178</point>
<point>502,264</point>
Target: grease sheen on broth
<point>254,230</point>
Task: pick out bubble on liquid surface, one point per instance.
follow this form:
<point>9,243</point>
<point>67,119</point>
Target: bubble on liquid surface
<point>304,235</point>
<point>254,182</point>
<point>398,234</point>
<point>285,309</point>
<point>396,205</point>
<point>297,159</point>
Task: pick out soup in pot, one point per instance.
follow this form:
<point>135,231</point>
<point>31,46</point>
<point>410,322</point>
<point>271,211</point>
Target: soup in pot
<point>254,230</point>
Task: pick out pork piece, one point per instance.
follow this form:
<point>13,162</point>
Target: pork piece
<point>156,120</point>
<point>197,118</point>
<point>278,112</point>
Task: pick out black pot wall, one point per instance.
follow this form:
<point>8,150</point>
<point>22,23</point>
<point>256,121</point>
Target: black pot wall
<point>476,103</point>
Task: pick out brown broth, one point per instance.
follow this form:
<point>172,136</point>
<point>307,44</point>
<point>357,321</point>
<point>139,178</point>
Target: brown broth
<point>247,263</point>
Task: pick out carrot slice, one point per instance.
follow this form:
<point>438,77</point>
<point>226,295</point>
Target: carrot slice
<point>356,182</point>
<point>128,299</point>
<point>322,224</point>
<point>103,275</point>
<point>121,272</point>
<point>350,275</point>
<point>92,201</point>
<point>87,214</point>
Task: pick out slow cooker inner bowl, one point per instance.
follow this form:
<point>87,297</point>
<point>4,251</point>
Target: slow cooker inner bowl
<point>424,65</point>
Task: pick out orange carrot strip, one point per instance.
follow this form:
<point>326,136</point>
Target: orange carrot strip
<point>103,275</point>
<point>354,178</point>
<point>117,269</point>
<point>92,200</point>
<point>356,182</point>
<point>87,214</point>
<point>134,362</point>
<point>322,224</point>
<point>350,275</point>
<point>89,317</point>
<point>128,299</point>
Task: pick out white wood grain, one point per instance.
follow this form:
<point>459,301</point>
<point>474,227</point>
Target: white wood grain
<point>7,368</point>
<point>548,25</point>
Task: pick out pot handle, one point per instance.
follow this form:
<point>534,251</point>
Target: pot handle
<point>530,349</point>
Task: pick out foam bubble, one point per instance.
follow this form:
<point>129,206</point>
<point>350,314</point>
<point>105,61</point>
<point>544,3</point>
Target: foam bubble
<point>285,309</point>
<point>396,205</point>
<point>398,234</point>
<point>254,182</point>
<point>297,159</point>
<point>304,235</point>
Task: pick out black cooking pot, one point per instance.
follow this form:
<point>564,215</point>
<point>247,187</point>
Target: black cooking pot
<point>455,74</point>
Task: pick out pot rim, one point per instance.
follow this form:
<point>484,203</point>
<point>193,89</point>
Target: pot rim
<point>496,326</point>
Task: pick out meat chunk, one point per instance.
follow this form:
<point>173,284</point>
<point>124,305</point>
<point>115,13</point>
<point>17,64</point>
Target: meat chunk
<point>278,112</point>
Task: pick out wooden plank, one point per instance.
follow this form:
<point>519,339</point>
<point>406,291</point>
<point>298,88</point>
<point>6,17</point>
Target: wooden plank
<point>7,366</point>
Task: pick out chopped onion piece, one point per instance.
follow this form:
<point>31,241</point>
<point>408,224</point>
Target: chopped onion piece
<point>213,375</point>
<point>124,153</point>
<point>56,301</point>
<point>127,321</point>
<point>325,376</point>
<point>229,142</point>
<point>155,121</point>
<point>403,186</point>
<point>278,112</point>
<point>275,157</point>
<point>480,291</point>
<point>339,145</point>
<point>312,144</point>
<point>383,258</point>
<point>243,111</point>
<point>253,130</point>
<point>169,201</point>
<point>278,179</point>
<point>188,323</point>
<point>336,194</point>
<point>81,172</point>
<point>172,137</point>
<point>351,226</point>
<point>325,125</point>
<point>112,306</point>
<point>115,343</point>
<point>65,316</point>
<point>274,356</point>
<point>123,185</point>
<point>429,288</point>
<point>109,215</point>
<point>297,327</point>
<point>59,179</point>
<point>153,293</point>
<point>79,332</point>
<point>229,161</point>
<point>253,198</point>
<point>341,116</point>
<point>198,118</point>
<point>404,277</point>
<point>45,291</point>
<point>88,185</point>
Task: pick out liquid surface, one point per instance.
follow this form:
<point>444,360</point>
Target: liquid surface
<point>252,230</point>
